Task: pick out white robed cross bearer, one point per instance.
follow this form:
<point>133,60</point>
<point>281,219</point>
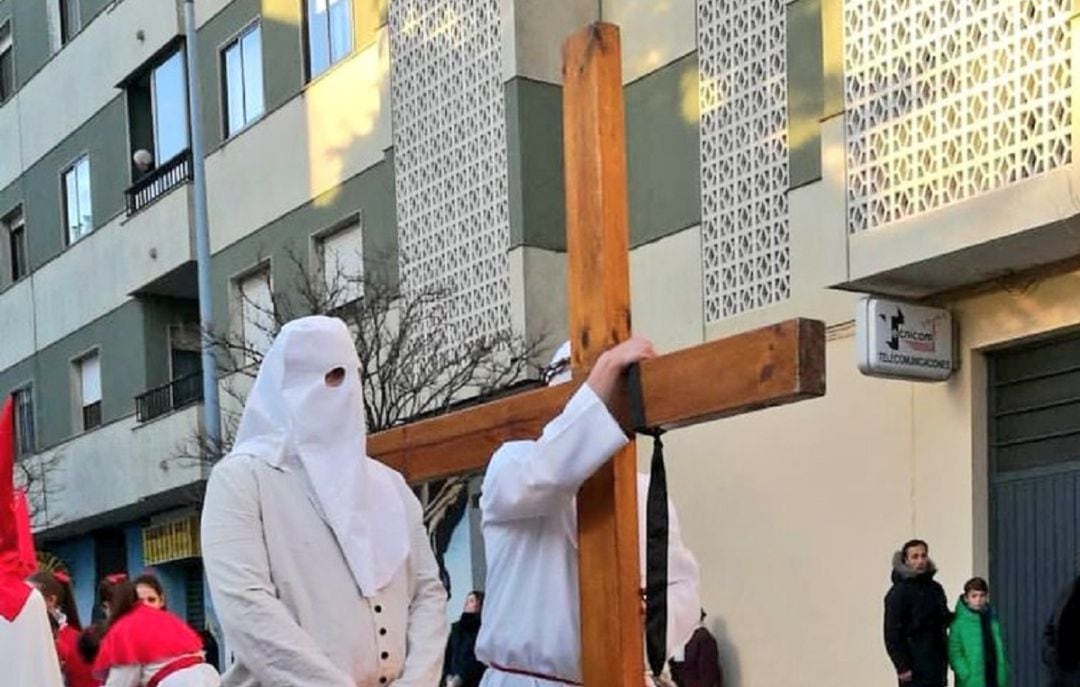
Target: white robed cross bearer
<point>530,635</point>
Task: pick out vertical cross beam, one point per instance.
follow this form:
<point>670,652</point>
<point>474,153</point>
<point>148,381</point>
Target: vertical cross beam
<point>599,292</point>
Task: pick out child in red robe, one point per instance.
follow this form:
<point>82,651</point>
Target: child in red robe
<point>60,601</point>
<point>147,647</point>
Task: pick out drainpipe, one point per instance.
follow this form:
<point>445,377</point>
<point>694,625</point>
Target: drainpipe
<point>211,406</point>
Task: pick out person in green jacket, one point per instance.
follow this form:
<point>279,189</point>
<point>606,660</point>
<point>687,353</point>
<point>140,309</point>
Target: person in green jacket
<point>976,650</point>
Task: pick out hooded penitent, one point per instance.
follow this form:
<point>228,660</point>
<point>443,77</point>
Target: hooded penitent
<point>293,411</point>
<point>16,543</point>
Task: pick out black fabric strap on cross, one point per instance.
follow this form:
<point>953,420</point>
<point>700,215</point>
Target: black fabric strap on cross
<point>656,532</point>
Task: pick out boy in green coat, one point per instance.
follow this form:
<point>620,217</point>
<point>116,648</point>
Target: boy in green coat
<point>976,651</point>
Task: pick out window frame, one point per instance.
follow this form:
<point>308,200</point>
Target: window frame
<point>13,227</point>
<point>351,222</point>
<point>155,119</point>
<point>238,300</point>
<point>78,396</point>
<point>25,448</point>
<point>236,40</point>
<point>68,28</point>
<point>305,28</point>
<point>68,169</point>
<point>7,47</point>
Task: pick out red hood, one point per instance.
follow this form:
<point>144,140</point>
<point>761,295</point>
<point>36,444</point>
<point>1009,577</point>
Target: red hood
<point>14,527</point>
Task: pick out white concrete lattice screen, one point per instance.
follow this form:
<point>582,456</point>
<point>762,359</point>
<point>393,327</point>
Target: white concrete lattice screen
<point>450,154</point>
<point>949,99</point>
<point>744,155</point>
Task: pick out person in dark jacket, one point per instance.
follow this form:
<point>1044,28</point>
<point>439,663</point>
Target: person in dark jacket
<point>1061,639</point>
<point>698,663</point>
<point>460,668</point>
<point>917,618</point>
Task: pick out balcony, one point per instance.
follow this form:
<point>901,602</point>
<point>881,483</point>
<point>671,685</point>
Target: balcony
<point>166,398</point>
<point>157,183</point>
<point>120,471</point>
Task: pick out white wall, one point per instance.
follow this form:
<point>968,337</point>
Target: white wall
<point>119,464</point>
<point>17,323</point>
<point>794,512</point>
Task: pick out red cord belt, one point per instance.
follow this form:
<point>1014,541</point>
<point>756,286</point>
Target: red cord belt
<point>173,667</point>
<point>526,673</point>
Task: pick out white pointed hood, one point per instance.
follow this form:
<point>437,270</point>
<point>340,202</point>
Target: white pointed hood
<point>291,410</point>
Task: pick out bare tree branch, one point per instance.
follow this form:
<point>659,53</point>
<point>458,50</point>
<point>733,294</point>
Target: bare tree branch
<point>413,362</point>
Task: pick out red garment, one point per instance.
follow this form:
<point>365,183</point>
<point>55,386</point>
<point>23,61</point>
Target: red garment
<point>13,589</point>
<point>77,672</point>
<point>182,663</point>
<point>145,635</point>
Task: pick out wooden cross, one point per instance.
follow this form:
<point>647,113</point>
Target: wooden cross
<point>766,367</point>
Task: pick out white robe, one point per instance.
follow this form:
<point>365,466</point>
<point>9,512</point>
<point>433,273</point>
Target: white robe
<point>531,616</point>
<point>287,601</point>
<point>27,649</point>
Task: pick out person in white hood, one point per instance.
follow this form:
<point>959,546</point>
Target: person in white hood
<point>317,559</point>
<point>530,635</point>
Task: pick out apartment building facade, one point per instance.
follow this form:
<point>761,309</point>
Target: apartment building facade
<point>784,157</point>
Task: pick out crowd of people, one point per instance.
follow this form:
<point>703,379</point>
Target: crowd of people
<point>924,638</point>
<point>138,642</point>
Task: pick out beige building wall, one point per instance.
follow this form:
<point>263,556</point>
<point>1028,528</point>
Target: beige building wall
<point>794,512</point>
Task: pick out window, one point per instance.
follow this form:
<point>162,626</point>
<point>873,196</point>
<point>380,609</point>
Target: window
<point>16,234</point>
<point>242,67</point>
<point>256,313</point>
<point>88,375</point>
<point>77,210</point>
<point>24,421</point>
<point>329,33</point>
<point>343,264</point>
<point>69,20</point>
<point>169,89</point>
<point>7,63</point>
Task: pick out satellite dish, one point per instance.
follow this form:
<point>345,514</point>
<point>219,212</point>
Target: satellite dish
<point>143,159</point>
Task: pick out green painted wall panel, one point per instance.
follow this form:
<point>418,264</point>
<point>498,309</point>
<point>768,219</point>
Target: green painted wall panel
<point>213,36</point>
<point>159,315</point>
<point>535,154</point>
<point>283,54</point>
<point>663,138</point>
<point>371,193</point>
<point>132,343</point>
<point>368,16</point>
<point>806,90</point>
<point>90,9</point>
<point>31,36</point>
<point>104,137</point>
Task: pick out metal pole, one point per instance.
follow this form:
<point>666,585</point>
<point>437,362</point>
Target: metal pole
<point>211,407</point>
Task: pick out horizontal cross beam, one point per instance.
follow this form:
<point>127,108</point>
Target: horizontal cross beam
<point>771,366</point>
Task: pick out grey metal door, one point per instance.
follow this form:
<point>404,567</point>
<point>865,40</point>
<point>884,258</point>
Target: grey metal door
<point>1034,423</point>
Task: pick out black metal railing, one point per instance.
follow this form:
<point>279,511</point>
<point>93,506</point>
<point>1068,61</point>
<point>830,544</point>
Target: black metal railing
<point>160,181</point>
<point>91,416</point>
<point>168,397</point>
